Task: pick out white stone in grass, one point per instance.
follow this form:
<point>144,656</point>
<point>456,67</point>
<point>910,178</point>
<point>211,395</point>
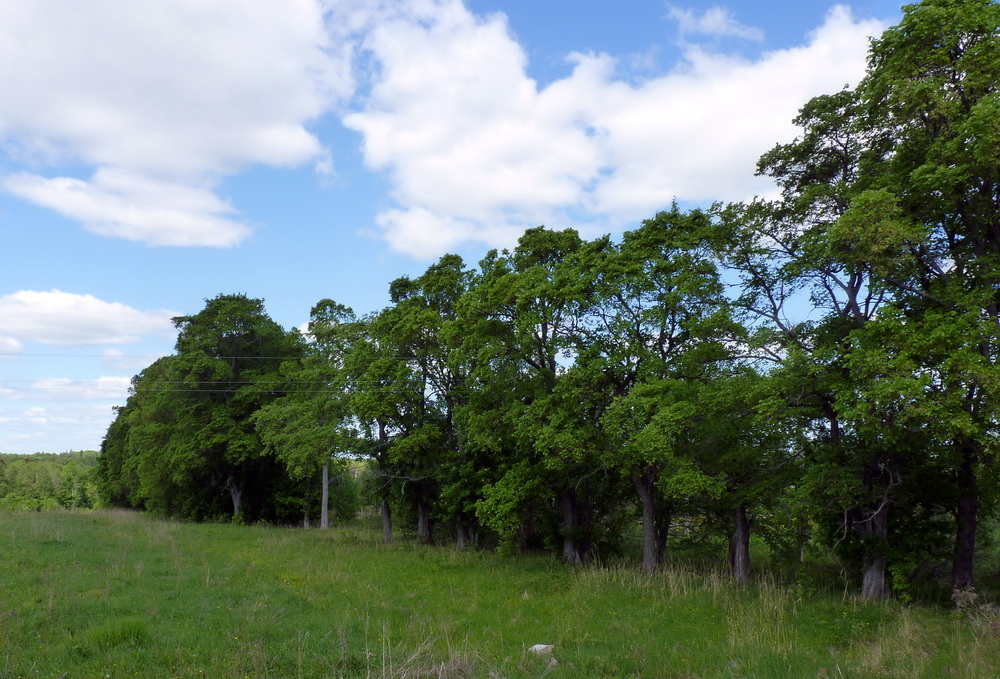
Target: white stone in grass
<point>541,649</point>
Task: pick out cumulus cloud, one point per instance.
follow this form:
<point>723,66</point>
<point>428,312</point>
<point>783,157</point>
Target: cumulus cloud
<point>163,99</point>
<point>159,101</point>
<point>715,21</point>
<point>476,151</point>
<point>67,319</point>
<point>119,204</point>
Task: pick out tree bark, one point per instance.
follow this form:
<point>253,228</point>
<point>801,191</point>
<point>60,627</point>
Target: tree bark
<point>236,493</point>
<point>966,517</point>
<point>651,552</point>
<point>663,519</point>
<point>423,522</point>
<point>383,438</point>
<point>462,539</point>
<point>386,521</point>
<point>874,529</point>
<point>324,517</point>
<point>874,584</point>
<point>872,525</point>
<point>739,547</point>
<point>572,552</point>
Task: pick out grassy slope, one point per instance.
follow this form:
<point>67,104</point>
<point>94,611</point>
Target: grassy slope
<point>115,594</point>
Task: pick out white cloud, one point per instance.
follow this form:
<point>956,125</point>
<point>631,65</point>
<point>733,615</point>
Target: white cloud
<point>10,346</point>
<point>56,389</point>
<point>58,414</point>
<point>715,21</point>
<point>466,136</point>
<point>118,360</point>
<point>118,204</point>
<point>113,389</point>
<point>476,151</point>
<point>67,319</point>
<point>163,98</point>
<point>698,132</point>
<point>54,428</point>
<point>421,233</point>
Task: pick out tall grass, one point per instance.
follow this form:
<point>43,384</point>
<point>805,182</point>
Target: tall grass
<point>117,594</point>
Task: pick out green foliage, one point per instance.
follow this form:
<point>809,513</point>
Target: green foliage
<point>822,366</point>
<point>46,481</point>
<point>185,439</point>
<point>505,501</point>
<point>310,425</point>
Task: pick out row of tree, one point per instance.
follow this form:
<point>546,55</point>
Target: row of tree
<point>185,444</point>
<point>822,366</point>
<point>45,481</point>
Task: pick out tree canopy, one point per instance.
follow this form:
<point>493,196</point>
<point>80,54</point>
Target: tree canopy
<point>821,367</point>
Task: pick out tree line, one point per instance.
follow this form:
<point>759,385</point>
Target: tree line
<point>820,367</point>
<point>46,481</point>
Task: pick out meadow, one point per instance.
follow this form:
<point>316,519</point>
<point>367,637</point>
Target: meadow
<point>114,594</point>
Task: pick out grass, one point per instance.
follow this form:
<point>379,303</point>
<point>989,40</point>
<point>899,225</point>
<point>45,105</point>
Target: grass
<point>117,594</point>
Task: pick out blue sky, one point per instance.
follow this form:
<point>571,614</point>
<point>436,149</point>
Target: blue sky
<point>156,154</point>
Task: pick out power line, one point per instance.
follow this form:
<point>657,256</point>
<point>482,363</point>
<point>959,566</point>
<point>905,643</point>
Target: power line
<point>116,357</point>
<point>220,358</point>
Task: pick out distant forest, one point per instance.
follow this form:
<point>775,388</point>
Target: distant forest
<point>48,481</point>
<point>820,370</point>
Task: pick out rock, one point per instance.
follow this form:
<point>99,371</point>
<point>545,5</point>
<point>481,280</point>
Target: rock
<point>541,649</point>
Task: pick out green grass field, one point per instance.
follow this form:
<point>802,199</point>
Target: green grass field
<point>117,594</point>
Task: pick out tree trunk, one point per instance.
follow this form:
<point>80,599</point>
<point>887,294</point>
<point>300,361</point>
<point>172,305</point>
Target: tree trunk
<point>305,519</point>
<point>651,556</point>
<point>739,547</point>
<point>874,584</point>
<point>572,552</point>
<point>423,522</point>
<point>236,493</point>
<point>966,517</point>
<point>324,516</point>
<point>462,540</point>
<point>386,522</point>
<point>873,528</point>
<point>662,533</point>
<point>383,438</point>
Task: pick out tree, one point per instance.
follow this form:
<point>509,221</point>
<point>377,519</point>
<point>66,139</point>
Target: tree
<point>417,327</point>
<point>522,331</point>
<point>228,354</point>
<point>311,426</point>
<point>45,481</point>
<point>186,434</point>
<point>427,331</point>
<point>892,197</point>
<point>932,94</point>
<point>660,328</point>
<point>144,462</point>
<point>787,251</point>
<point>381,396</point>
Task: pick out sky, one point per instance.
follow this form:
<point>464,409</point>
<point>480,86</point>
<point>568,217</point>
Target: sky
<point>155,155</point>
